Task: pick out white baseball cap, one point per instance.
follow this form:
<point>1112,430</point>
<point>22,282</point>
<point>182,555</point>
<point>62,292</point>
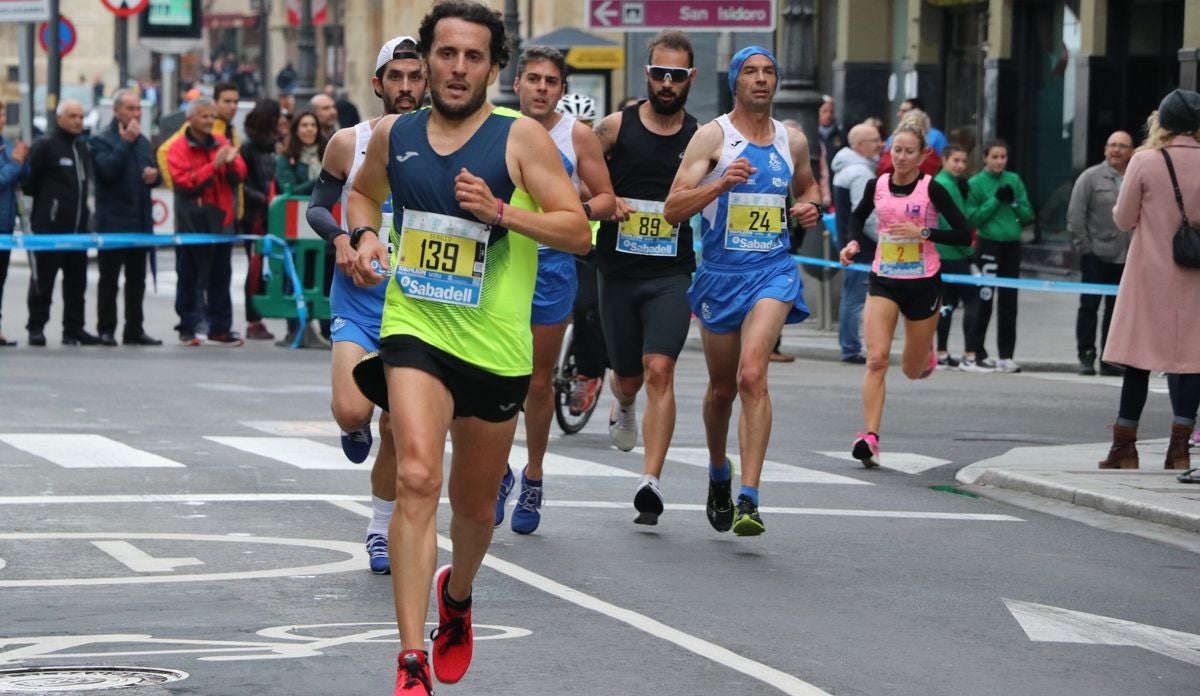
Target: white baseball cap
<point>398,48</point>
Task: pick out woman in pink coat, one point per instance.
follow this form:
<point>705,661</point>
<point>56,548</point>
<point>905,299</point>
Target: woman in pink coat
<point>1156,323</point>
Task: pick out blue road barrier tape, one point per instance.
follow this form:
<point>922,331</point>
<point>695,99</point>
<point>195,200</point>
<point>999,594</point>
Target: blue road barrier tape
<point>273,246</point>
<point>987,281</point>
<point>270,242</point>
<point>112,240</point>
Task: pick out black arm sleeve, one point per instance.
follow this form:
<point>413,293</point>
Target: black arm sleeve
<point>325,194</point>
<point>960,232</point>
<point>858,218</point>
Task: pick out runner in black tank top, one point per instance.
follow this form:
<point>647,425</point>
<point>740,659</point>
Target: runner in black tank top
<point>642,165</point>
<point>645,263</point>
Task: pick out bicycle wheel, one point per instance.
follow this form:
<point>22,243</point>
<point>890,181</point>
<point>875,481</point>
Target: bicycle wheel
<point>564,378</point>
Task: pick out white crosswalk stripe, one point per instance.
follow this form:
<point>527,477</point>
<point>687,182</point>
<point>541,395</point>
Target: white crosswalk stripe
<point>297,428</point>
<point>774,472</point>
<point>560,465</point>
<point>86,451</point>
<point>907,462</point>
<point>297,451</point>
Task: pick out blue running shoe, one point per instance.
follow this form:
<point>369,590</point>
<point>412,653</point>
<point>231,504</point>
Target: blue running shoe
<point>357,444</point>
<point>377,550</point>
<point>527,514</point>
<point>506,486</point>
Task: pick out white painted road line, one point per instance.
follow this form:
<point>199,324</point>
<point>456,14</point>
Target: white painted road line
<point>139,561</point>
<point>78,451</point>
<point>772,471</point>
<point>296,451</point>
<point>587,504</point>
<point>907,462</point>
<point>782,681</point>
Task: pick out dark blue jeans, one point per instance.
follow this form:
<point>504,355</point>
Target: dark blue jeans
<point>202,294</point>
<point>854,297</point>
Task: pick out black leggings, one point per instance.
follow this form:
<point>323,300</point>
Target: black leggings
<point>1003,260</point>
<point>1184,389</point>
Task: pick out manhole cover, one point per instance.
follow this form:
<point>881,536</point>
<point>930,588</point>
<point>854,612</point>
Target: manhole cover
<point>30,680</point>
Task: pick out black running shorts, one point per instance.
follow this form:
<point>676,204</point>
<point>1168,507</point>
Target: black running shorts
<point>643,316</point>
<point>919,298</point>
<point>477,393</point>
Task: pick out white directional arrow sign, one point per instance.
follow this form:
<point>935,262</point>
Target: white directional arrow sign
<point>603,13</point>
<point>1046,624</point>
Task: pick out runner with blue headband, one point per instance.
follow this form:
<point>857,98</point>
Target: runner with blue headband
<point>737,172</point>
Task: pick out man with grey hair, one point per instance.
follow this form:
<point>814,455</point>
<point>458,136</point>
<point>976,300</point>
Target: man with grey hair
<point>58,182</point>
<point>852,168</point>
<point>325,109</point>
<point>1101,245</point>
<point>125,171</point>
<point>206,170</point>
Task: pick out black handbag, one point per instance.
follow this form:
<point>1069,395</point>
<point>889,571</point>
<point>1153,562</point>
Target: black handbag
<point>1186,243</point>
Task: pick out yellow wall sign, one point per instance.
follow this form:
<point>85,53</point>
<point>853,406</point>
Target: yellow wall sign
<point>596,57</point>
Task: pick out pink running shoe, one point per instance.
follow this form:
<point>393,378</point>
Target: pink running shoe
<point>932,364</point>
<point>866,450</point>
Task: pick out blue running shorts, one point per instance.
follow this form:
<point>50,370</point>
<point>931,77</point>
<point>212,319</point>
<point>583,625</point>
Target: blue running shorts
<point>721,296</point>
<point>343,329</point>
<point>554,293</point>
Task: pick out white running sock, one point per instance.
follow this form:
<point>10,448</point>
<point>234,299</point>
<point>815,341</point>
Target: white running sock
<point>648,478</point>
<point>383,515</point>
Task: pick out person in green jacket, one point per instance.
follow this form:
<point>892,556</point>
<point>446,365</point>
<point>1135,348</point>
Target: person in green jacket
<point>297,169</point>
<point>997,206</point>
<point>955,259</point>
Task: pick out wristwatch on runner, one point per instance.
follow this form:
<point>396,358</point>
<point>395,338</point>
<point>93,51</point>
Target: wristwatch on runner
<point>925,232</point>
<point>357,233</point>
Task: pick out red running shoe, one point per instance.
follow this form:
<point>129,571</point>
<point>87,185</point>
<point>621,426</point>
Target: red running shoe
<point>412,675</point>
<point>453,640</point>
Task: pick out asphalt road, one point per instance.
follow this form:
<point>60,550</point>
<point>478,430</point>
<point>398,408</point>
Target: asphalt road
<point>200,518</point>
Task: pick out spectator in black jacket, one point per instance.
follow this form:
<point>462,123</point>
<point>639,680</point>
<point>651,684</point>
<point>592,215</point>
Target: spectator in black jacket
<point>125,171</point>
<point>258,151</point>
<point>58,183</point>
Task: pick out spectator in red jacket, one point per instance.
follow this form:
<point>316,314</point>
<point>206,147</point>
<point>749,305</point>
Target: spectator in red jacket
<point>205,169</point>
<point>932,162</point>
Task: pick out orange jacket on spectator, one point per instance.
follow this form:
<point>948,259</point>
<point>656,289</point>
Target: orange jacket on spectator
<point>191,165</point>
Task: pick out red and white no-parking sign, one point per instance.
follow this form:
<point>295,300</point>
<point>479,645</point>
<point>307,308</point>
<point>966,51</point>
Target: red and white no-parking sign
<point>125,8</point>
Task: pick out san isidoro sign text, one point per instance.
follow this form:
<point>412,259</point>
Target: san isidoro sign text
<point>688,15</point>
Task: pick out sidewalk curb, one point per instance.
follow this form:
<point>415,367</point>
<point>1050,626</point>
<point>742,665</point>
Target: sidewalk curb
<point>1113,505</point>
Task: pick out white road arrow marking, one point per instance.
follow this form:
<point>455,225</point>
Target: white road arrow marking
<point>141,562</point>
<point>603,13</point>
<point>1047,624</point>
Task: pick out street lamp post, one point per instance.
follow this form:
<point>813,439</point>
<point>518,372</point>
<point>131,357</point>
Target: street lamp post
<point>512,27</point>
<point>797,97</point>
<point>306,45</point>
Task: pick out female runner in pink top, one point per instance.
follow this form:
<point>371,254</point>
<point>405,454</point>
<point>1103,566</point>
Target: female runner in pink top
<point>905,275</point>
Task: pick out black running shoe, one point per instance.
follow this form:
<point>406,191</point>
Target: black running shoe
<point>648,502</point>
<point>747,522</point>
<point>720,503</point>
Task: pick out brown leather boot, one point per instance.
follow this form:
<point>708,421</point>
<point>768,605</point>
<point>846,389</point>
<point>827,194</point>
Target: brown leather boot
<point>1123,453</point>
<point>1177,448</point>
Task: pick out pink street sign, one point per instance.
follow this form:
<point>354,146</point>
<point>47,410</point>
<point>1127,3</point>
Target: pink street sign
<point>688,15</point>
